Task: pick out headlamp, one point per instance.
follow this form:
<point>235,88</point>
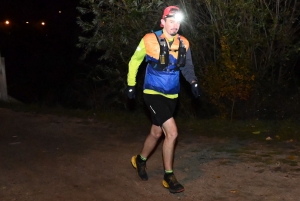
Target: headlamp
<point>177,16</point>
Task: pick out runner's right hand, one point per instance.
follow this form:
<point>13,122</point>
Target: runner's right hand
<point>131,92</point>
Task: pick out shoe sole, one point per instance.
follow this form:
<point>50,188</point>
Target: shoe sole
<point>133,162</point>
<point>166,185</point>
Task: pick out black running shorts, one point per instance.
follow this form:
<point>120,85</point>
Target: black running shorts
<point>161,108</point>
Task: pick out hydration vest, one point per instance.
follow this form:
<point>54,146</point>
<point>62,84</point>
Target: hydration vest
<point>170,56</point>
<point>164,62</point>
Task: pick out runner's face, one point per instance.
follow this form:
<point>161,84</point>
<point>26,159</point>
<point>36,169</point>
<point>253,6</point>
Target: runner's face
<point>171,26</point>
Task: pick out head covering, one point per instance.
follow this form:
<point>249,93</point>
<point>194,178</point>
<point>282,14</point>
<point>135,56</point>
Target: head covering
<point>167,12</point>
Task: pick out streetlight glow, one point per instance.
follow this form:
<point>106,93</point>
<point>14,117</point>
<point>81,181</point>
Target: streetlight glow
<point>43,23</point>
<point>7,22</point>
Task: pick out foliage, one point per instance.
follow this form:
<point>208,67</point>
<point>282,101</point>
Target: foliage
<point>113,29</point>
<point>243,50</point>
<point>232,79</point>
<point>243,40</point>
<point>115,26</point>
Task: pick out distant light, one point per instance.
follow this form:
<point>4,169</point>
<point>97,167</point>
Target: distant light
<point>27,22</point>
<point>59,11</point>
<point>43,23</point>
<point>7,22</point>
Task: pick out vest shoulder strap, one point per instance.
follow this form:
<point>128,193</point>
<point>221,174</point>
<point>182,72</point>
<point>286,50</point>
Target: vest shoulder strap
<point>158,33</point>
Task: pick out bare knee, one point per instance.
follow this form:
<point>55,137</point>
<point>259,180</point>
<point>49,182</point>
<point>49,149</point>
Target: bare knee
<point>170,129</point>
<point>156,134</point>
<point>156,131</point>
<point>171,135</point>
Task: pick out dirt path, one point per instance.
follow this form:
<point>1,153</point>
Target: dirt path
<point>51,158</point>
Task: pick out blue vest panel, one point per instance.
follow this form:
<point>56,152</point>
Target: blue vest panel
<point>166,82</point>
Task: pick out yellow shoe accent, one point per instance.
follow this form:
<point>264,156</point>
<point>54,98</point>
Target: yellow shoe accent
<point>133,161</point>
<point>165,184</point>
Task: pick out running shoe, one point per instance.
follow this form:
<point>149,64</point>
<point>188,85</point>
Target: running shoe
<point>140,167</point>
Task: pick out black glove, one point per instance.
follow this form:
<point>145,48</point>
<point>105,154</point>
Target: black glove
<point>131,92</point>
<point>195,89</point>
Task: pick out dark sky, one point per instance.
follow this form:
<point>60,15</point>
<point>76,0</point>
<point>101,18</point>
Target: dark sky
<point>34,9</point>
<point>40,60</point>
